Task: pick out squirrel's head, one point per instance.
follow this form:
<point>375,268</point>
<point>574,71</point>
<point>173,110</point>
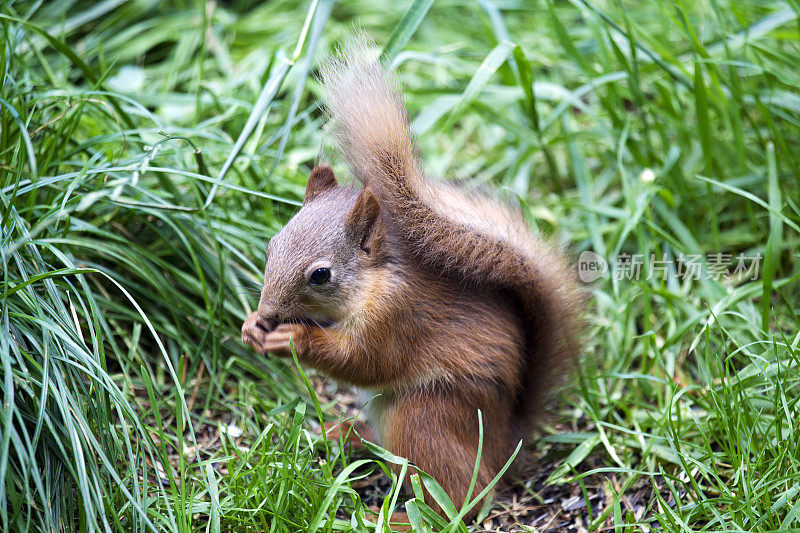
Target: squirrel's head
<point>316,264</point>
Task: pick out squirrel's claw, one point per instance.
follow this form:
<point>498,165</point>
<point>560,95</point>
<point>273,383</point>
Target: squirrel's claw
<point>266,336</point>
<point>251,332</point>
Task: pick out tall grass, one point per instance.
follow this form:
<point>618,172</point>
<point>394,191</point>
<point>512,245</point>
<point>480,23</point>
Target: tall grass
<point>148,150</point>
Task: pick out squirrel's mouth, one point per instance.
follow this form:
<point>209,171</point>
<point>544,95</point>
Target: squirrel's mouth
<point>267,325</point>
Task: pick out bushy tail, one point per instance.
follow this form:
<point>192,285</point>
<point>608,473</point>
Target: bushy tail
<point>469,237</point>
<point>370,122</point>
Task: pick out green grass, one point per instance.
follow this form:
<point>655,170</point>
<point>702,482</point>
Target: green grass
<point>148,150</point>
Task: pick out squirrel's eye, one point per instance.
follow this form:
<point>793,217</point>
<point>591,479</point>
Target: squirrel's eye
<point>319,276</point>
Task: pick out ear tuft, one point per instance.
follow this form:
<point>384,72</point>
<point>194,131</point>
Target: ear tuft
<point>321,179</point>
<point>364,221</point>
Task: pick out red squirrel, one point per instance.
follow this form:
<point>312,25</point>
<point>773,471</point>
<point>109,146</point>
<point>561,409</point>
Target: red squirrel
<point>438,301</point>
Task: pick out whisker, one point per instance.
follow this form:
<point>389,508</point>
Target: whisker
<point>244,278</point>
<point>244,285</point>
<point>246,292</point>
<point>320,326</point>
<point>242,289</point>
<point>305,327</point>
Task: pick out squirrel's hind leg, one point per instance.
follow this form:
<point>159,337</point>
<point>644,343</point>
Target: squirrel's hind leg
<point>437,431</point>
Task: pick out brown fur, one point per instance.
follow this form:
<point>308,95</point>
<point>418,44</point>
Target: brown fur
<point>440,302</point>
<point>469,237</point>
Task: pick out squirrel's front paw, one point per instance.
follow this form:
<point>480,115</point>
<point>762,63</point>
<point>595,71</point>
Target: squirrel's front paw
<point>255,329</point>
<point>266,336</point>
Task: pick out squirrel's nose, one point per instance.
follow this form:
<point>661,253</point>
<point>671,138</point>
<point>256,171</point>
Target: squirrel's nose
<point>268,309</point>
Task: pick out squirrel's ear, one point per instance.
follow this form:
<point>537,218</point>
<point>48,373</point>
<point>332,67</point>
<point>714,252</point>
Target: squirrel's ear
<point>364,221</point>
<point>321,179</point>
